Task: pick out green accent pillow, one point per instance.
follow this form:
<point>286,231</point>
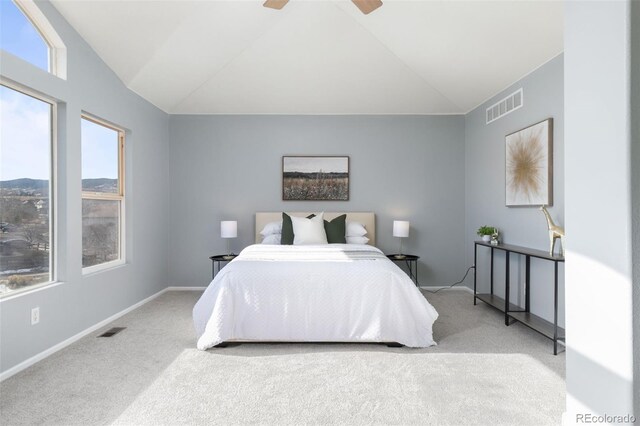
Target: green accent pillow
<point>287,229</point>
<point>335,230</point>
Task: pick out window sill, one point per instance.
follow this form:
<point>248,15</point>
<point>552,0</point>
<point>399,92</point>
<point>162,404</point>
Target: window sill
<point>96,269</point>
<point>29,290</point>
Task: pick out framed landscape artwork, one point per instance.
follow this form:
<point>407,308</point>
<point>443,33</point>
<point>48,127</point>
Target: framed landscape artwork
<point>529,166</point>
<point>321,178</point>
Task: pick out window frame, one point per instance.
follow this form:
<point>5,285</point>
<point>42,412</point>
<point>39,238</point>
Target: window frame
<point>53,191</point>
<point>109,196</point>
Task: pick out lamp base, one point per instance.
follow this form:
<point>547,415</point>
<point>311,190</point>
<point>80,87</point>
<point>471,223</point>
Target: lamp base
<point>400,255</point>
<point>230,255</point>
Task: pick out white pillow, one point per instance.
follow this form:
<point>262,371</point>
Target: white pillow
<point>357,240</point>
<point>355,229</point>
<point>272,239</point>
<point>272,228</point>
<point>309,231</point>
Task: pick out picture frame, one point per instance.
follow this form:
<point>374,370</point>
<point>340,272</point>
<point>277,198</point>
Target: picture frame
<point>529,165</point>
<point>315,178</point>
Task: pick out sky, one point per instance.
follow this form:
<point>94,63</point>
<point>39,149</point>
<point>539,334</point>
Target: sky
<point>99,151</point>
<point>315,164</point>
<point>25,136</point>
<point>25,140</point>
<point>19,37</point>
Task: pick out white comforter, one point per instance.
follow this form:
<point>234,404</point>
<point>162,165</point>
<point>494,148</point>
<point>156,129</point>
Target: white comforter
<point>327,293</point>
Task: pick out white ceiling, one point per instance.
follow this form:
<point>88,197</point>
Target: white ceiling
<point>318,57</point>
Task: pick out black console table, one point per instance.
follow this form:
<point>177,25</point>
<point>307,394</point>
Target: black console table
<point>515,312</point>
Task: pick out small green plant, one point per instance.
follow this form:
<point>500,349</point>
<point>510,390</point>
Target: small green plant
<point>486,230</point>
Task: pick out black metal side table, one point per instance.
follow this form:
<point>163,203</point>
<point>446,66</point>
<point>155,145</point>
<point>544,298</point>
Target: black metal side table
<point>412,264</point>
<point>523,314</point>
<point>217,262</point>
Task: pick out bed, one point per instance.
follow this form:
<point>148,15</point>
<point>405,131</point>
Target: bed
<point>313,293</point>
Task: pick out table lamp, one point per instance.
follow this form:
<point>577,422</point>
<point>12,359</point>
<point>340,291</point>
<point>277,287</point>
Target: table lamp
<point>228,230</point>
<point>400,230</point>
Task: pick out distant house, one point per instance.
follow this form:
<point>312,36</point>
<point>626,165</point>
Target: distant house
<point>41,205</point>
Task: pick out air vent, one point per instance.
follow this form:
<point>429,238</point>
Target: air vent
<point>505,106</point>
<point>112,331</point>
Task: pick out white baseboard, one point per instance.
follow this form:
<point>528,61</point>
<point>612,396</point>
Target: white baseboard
<point>462,288</point>
<point>42,355</point>
<point>177,288</point>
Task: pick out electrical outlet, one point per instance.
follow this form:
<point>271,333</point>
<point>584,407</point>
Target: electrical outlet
<point>35,315</point>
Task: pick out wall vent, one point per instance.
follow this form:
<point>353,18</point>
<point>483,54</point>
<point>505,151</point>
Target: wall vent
<point>112,331</point>
<point>505,106</point>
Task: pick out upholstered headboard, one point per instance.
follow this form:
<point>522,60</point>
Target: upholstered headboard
<point>368,219</point>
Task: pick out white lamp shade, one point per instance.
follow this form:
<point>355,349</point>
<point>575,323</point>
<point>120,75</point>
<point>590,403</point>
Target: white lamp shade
<point>400,228</point>
<point>229,229</point>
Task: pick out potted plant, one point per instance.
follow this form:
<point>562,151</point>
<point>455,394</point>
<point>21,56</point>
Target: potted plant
<point>485,232</point>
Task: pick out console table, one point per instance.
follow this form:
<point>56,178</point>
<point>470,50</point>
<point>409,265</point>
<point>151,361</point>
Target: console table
<point>511,311</point>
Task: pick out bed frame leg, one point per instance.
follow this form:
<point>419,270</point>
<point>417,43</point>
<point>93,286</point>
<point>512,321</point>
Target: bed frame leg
<point>394,345</point>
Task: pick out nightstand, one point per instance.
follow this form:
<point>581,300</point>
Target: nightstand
<point>412,264</point>
<point>217,260</point>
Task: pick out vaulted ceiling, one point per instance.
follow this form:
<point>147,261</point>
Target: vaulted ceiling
<point>318,57</point>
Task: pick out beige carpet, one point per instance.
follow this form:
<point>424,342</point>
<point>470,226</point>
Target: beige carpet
<point>480,373</point>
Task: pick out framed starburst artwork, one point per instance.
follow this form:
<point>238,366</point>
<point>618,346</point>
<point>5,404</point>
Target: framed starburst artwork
<point>529,166</point>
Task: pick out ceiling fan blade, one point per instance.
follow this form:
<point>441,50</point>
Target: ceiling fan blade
<point>275,4</point>
<point>367,6</point>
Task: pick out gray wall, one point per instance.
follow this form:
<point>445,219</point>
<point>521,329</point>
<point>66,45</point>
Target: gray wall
<point>485,188</point>
<point>82,301</point>
<point>402,167</point>
<point>598,167</point>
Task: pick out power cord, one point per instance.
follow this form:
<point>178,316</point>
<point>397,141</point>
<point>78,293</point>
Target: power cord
<point>454,284</point>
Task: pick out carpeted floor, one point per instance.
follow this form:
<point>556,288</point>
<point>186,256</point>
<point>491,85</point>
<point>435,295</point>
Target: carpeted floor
<point>481,372</point>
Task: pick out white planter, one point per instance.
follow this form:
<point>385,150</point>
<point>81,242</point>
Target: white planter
<point>486,238</point>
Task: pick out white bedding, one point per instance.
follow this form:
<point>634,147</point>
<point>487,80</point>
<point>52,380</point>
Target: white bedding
<point>316,293</point>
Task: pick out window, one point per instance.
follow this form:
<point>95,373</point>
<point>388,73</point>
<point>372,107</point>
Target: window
<point>102,194</point>
<point>26,233</point>
<point>20,37</point>
<point>26,33</point>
